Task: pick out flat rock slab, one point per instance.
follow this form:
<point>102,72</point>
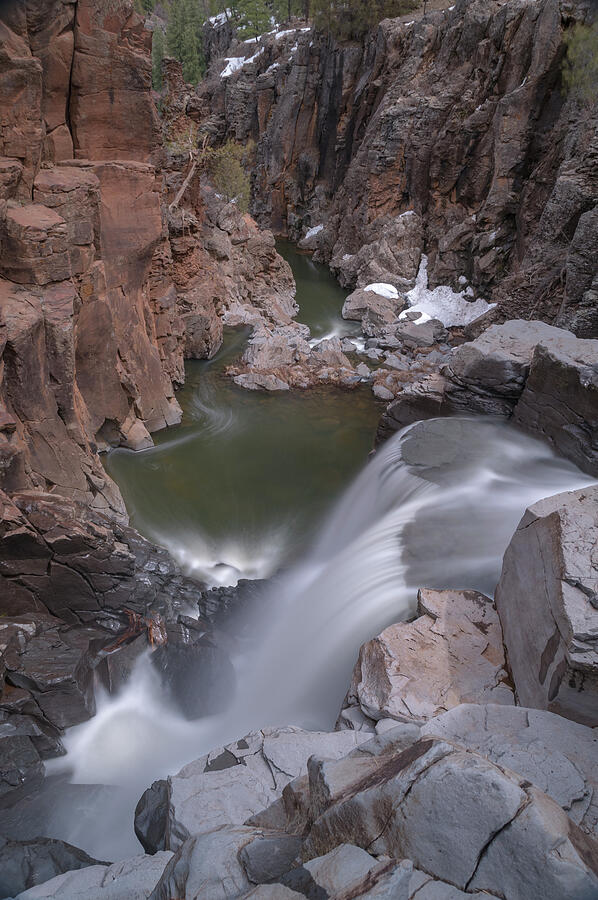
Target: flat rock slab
<point>451,654</point>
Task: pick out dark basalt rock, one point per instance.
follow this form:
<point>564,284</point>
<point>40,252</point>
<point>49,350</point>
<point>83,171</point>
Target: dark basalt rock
<point>24,864</point>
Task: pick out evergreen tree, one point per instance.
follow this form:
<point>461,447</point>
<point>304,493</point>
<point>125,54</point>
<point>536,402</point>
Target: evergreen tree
<point>184,38</point>
<point>254,18</point>
<point>353,18</point>
<point>157,57</point>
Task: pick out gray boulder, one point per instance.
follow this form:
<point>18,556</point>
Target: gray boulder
<point>457,816</point>
<point>558,756</point>
<point>130,879</point>
<point>451,654</point>
<point>231,784</point>
<point>547,600</point>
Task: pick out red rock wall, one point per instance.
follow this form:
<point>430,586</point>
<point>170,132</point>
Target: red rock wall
<point>90,340</point>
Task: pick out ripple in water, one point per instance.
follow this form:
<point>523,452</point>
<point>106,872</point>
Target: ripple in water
<point>435,507</point>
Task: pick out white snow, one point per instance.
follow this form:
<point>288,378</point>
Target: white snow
<point>220,19</point>
<point>348,256</point>
<point>281,34</point>
<point>312,232</point>
<point>442,302</point>
<point>383,290</point>
<point>271,68</point>
<point>234,63</point>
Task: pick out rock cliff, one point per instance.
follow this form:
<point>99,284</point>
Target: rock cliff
<point>456,117</point>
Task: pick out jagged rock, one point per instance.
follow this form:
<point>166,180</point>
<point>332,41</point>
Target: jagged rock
<point>560,399</point>
<point>515,370</point>
<point>389,804</point>
<point>34,242</point>
<point>130,879</point>
<point>24,864</point>
<point>451,654</point>
<point>379,310</point>
<point>412,334</point>
<point>231,783</point>
<point>546,599</point>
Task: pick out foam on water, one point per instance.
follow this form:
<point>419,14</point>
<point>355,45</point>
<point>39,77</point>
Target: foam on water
<point>435,507</point>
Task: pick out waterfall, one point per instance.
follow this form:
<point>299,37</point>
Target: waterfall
<point>435,507</point>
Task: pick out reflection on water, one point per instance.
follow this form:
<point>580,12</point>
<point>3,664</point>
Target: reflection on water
<point>239,487</point>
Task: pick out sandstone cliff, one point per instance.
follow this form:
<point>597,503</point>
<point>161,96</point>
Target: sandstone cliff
<point>457,117</point>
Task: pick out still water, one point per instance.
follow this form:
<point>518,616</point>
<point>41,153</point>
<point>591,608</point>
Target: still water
<point>238,489</point>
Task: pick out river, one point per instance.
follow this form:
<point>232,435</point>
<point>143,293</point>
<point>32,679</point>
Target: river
<point>250,483</point>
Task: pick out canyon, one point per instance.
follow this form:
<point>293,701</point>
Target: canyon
<point>449,184</point>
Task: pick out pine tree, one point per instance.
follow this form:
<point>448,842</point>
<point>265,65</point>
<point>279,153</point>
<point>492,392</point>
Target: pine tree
<point>184,38</point>
<point>157,57</point>
<point>254,18</point>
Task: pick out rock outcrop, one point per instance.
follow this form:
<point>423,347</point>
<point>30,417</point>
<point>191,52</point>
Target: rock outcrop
<point>543,378</point>
<point>547,602</point>
<point>452,654</point>
<point>457,118</point>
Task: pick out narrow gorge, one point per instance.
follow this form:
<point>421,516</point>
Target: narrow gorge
<point>299,450</point>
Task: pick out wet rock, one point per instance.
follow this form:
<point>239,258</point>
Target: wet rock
<point>546,599</point>
<point>451,654</point>
<point>267,859</point>
<point>24,864</point>
<point>232,783</point>
<point>130,879</point>
<point>199,677</point>
<point>515,371</point>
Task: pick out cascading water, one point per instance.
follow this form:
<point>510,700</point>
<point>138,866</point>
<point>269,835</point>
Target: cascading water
<point>435,507</point>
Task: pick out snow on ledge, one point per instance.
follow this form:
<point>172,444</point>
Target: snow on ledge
<point>234,63</point>
<point>383,290</point>
<point>442,303</point>
<point>312,232</point>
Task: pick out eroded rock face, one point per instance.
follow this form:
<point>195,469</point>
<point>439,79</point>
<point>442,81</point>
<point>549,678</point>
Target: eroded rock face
<point>546,599</point>
<point>451,125</point>
<point>451,654</point>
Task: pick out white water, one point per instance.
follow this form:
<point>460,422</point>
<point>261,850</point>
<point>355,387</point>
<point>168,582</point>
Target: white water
<point>435,507</point>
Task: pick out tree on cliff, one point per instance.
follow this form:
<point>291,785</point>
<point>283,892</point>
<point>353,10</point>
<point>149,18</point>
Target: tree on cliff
<point>580,66</point>
<point>184,38</point>
<point>226,167</point>
<point>157,57</point>
<point>254,17</point>
<point>353,18</point>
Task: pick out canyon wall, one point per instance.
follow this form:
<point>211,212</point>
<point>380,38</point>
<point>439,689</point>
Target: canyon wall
<point>457,118</point>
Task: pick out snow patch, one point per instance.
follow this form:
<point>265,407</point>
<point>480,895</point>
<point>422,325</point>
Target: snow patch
<point>234,63</point>
<point>312,232</point>
<point>220,19</point>
<point>383,290</point>
<point>442,302</point>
